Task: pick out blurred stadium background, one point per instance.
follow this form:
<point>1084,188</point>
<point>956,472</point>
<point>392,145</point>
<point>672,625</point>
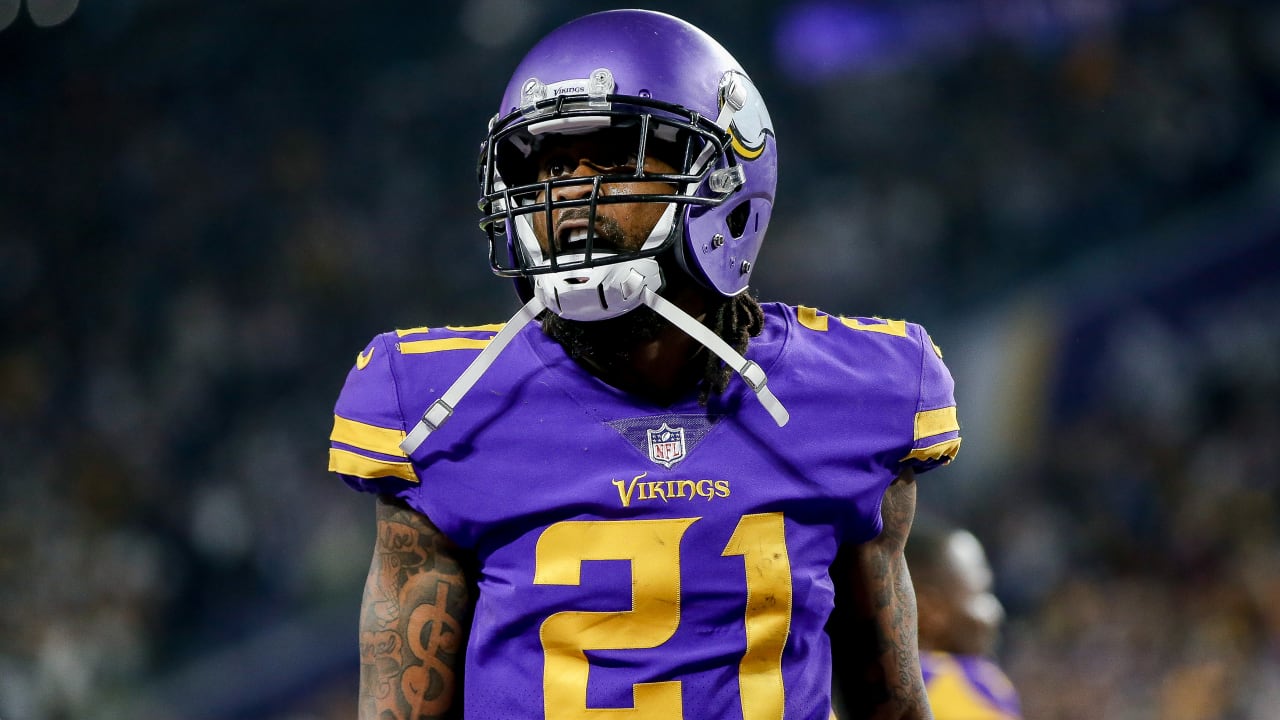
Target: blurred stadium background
<point>207,208</point>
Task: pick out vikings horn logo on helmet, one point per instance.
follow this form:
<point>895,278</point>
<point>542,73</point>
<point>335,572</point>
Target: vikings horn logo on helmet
<point>751,123</point>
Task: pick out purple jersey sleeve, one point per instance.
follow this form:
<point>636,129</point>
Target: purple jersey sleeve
<point>913,395</point>
<point>368,425</point>
<point>936,431</point>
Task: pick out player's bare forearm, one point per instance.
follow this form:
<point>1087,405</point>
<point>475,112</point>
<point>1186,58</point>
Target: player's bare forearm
<point>875,634</point>
<point>413,621</point>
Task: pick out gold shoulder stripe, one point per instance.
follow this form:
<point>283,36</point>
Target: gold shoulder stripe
<point>349,463</point>
<point>897,328</point>
<point>491,327</point>
<point>367,437</point>
<point>810,318</point>
<point>945,451</point>
<point>936,422</point>
<point>418,347</point>
<point>413,331</point>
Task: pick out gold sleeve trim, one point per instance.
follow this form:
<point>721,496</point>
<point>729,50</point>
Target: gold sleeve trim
<point>936,422</point>
<point>349,463</point>
<point>421,329</point>
<point>945,451</point>
<point>367,437</point>
<point>418,347</point>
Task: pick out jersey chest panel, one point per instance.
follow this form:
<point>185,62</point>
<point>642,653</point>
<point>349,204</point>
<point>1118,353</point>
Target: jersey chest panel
<point>572,517</point>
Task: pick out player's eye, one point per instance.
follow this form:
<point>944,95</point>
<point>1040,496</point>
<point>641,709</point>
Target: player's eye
<point>556,166</point>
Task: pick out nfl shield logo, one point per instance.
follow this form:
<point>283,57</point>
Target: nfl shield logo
<point>666,445</point>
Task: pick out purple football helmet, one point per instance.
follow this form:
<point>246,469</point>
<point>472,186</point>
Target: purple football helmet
<point>655,80</point>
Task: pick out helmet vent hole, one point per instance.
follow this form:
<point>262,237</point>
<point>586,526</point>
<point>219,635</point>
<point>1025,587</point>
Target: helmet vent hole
<point>737,219</point>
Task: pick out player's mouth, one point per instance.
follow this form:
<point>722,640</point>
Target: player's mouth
<point>572,235</point>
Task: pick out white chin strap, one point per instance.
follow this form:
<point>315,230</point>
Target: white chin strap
<point>442,409</point>
<point>749,371</point>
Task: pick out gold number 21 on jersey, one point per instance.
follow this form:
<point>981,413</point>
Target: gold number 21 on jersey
<point>653,547</point>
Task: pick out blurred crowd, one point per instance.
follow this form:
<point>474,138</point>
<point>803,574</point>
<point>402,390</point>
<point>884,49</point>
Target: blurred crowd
<point>1023,154</point>
<point>208,208</point>
<point>1139,550</point>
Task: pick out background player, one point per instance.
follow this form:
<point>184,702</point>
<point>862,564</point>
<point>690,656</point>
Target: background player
<point>960,621</point>
<point>595,515</point>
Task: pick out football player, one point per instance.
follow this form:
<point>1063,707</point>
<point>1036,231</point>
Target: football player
<point>644,495</point>
<point>960,620</point>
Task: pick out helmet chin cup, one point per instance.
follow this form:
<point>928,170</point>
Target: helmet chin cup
<point>605,287</point>
<point>600,292</point>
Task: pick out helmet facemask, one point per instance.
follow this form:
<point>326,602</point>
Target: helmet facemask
<point>585,270</point>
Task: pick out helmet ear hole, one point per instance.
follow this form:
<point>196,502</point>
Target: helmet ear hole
<point>737,219</point>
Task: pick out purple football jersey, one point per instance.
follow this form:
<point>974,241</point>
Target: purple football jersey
<point>968,687</point>
<point>671,559</point>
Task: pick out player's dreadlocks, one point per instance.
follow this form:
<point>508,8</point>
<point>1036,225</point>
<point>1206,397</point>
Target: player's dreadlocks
<point>736,321</point>
<point>606,343</point>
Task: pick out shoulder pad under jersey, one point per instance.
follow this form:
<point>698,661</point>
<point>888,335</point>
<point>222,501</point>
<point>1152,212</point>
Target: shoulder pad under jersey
<point>908,364</point>
<point>377,403</point>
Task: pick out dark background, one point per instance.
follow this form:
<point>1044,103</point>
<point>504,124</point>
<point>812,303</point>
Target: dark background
<point>207,209</point>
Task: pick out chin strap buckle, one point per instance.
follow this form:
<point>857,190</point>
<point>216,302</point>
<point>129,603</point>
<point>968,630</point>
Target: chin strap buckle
<point>753,376</point>
<point>435,415</point>
<point>751,373</point>
<point>442,409</point>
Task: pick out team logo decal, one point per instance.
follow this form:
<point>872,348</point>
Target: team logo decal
<point>751,124</point>
<point>666,445</point>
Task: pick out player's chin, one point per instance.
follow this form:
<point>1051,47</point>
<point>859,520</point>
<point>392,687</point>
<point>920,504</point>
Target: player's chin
<point>597,336</point>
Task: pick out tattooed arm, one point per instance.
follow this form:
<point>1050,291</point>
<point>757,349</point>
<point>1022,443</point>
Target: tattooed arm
<point>413,621</point>
<point>876,658</point>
